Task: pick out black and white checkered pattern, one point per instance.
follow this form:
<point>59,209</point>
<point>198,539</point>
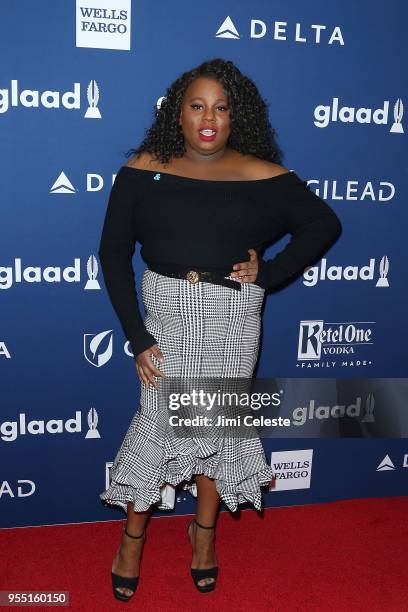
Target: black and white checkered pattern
<point>203,330</point>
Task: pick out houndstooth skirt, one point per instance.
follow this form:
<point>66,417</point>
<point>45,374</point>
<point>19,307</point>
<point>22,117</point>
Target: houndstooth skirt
<point>203,330</point>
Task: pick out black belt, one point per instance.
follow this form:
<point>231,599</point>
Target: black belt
<point>194,276</point>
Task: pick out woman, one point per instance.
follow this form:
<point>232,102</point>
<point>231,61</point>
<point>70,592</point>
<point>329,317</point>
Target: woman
<point>204,189</point>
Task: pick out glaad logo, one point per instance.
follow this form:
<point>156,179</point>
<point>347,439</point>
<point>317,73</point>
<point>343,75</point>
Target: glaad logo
<point>94,182</point>
<point>317,339</point>
<point>313,274</point>
<point>323,115</point>
<point>386,464</point>
<point>50,274</point>
<point>94,352</point>
<point>104,27</point>
<point>32,98</point>
<point>24,488</point>
<point>10,430</point>
<point>301,414</point>
<point>258,29</point>
<point>293,469</point>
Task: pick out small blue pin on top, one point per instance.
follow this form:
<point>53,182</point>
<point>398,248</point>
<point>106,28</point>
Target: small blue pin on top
<point>157,177</point>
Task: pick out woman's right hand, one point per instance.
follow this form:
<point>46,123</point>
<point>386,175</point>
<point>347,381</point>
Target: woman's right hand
<point>145,367</point>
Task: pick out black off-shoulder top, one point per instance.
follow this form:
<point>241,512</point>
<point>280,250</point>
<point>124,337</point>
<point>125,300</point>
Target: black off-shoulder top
<point>206,225</point>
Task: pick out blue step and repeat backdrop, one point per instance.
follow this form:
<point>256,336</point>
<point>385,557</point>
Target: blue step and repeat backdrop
<point>79,83</point>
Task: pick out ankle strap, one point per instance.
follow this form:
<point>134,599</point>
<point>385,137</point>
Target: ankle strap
<point>203,526</point>
<point>132,536</point>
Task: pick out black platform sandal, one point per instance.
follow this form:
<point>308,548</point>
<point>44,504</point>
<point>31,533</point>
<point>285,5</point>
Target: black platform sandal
<point>200,574</point>
<point>124,582</point>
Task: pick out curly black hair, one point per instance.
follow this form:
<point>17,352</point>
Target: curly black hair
<point>251,131</point>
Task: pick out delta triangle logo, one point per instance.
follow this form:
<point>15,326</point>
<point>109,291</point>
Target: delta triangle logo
<point>62,185</point>
<point>227,30</point>
<point>385,465</point>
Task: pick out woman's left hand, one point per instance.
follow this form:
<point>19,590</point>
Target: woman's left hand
<point>247,271</point>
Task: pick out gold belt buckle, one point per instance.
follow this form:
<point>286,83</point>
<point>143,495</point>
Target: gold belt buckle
<point>192,276</point>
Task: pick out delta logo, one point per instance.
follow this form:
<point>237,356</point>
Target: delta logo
<point>14,96</point>
<point>387,465</point>
<point>283,31</point>
<point>93,182</point>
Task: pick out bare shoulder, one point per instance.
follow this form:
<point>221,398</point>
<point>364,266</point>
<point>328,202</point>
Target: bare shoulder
<point>254,168</point>
<point>261,169</point>
<point>142,161</point>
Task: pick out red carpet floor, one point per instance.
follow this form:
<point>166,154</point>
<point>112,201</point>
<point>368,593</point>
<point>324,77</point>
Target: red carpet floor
<point>348,555</point>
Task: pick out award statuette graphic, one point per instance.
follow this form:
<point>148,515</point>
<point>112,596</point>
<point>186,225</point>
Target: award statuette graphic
<point>93,99</point>
<point>92,270</point>
<point>369,409</point>
<point>92,424</point>
<point>384,267</point>
<point>397,127</point>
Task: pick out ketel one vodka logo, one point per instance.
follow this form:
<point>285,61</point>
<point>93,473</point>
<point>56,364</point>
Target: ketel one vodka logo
<point>317,338</point>
<point>92,424</point>
<point>98,348</point>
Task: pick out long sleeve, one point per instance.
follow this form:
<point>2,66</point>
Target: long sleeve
<point>314,227</point>
<point>116,249</point>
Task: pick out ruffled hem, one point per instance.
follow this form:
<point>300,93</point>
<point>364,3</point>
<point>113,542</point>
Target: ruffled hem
<point>180,468</point>
<point>153,461</point>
